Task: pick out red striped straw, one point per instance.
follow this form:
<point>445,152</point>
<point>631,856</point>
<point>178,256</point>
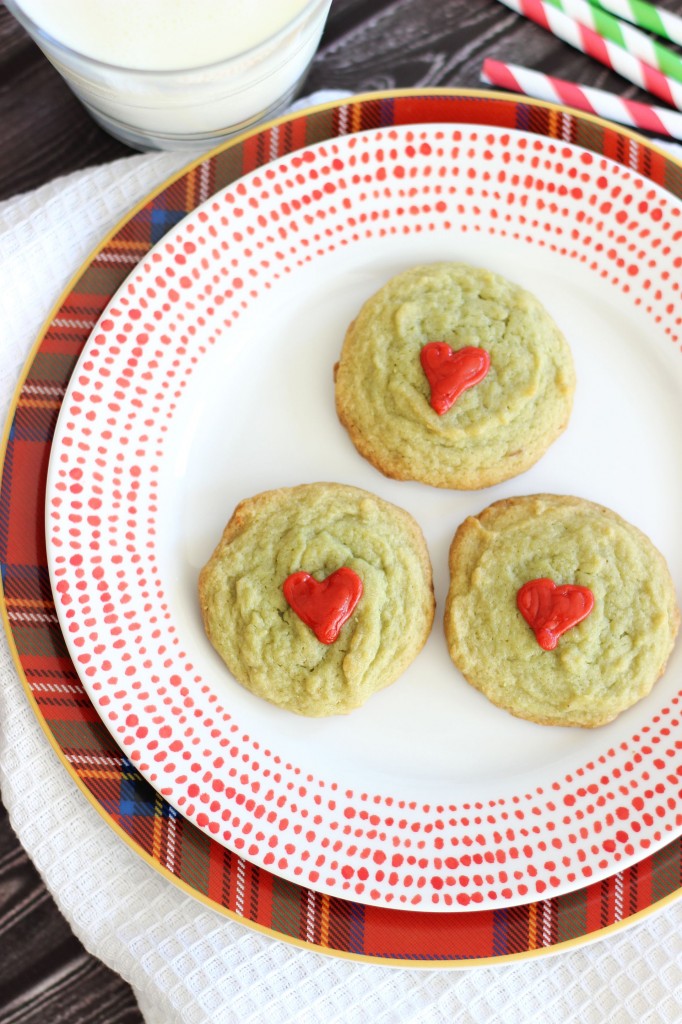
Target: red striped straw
<point>608,53</point>
<point>595,101</point>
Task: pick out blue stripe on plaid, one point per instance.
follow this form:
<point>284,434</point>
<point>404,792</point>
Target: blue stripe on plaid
<point>163,220</point>
<point>137,797</point>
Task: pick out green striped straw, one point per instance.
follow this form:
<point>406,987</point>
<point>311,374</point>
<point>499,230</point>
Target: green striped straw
<point>654,19</point>
<point>631,39</point>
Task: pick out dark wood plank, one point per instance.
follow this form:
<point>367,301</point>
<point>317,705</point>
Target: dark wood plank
<point>411,43</point>
<point>45,130</point>
<point>46,977</point>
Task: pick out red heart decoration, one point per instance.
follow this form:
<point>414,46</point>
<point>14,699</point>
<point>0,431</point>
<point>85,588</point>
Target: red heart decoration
<point>450,373</point>
<point>550,610</point>
<point>324,606</point>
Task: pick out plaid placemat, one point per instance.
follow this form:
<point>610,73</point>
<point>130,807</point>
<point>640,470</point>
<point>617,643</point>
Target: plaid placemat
<point>149,824</point>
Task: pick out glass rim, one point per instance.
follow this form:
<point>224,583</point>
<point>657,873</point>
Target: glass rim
<point>38,33</point>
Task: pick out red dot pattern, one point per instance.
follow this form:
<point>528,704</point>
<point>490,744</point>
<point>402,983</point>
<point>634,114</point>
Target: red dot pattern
<point>104,507</point>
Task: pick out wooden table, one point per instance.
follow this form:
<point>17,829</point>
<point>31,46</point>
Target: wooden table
<point>45,974</point>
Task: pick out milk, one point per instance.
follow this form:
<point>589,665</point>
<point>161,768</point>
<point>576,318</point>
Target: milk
<point>161,35</point>
<point>175,73</point>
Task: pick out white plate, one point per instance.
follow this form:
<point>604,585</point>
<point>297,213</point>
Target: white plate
<point>209,379</point>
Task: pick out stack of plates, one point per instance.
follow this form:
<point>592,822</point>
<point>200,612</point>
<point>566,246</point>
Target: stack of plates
<point>190,365</point>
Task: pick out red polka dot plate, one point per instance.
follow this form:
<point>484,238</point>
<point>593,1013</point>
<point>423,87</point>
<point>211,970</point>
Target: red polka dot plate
<point>209,378</point>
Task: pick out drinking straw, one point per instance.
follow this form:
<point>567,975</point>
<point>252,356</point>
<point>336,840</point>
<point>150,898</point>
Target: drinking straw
<point>636,42</point>
<point>594,101</point>
<point>654,19</point>
<point>590,42</point>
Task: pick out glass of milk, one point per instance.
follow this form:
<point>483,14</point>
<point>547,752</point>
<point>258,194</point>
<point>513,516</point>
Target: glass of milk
<point>177,74</point>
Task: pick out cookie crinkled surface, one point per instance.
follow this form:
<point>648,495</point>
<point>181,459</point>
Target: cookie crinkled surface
<point>317,529</point>
<point>495,430</point>
<point>601,666</point>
